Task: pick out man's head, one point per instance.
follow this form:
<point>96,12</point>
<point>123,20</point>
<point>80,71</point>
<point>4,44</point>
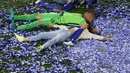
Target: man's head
<point>89,17</point>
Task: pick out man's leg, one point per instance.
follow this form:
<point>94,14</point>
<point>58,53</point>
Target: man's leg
<point>43,22</point>
<point>28,26</point>
<point>25,17</point>
<point>34,16</point>
<point>43,35</point>
<point>62,36</point>
<point>31,16</point>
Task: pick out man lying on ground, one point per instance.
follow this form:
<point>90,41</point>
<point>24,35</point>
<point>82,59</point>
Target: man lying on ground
<point>58,17</point>
<point>60,35</point>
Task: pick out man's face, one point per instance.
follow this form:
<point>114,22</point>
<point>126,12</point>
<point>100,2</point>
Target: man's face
<point>89,17</point>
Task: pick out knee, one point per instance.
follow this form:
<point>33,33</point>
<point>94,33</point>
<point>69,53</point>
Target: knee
<point>37,16</point>
<point>46,22</point>
<point>40,22</point>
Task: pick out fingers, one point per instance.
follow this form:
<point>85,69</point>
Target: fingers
<point>108,39</point>
<point>111,40</point>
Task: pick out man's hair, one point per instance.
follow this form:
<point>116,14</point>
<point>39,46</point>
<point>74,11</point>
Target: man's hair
<point>90,28</point>
<point>89,13</point>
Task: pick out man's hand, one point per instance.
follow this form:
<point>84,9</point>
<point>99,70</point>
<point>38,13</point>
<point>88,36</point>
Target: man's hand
<point>60,27</point>
<point>57,10</point>
<point>84,26</point>
<point>108,39</point>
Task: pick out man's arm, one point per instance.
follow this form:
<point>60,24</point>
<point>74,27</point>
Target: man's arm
<point>57,10</point>
<point>86,34</point>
